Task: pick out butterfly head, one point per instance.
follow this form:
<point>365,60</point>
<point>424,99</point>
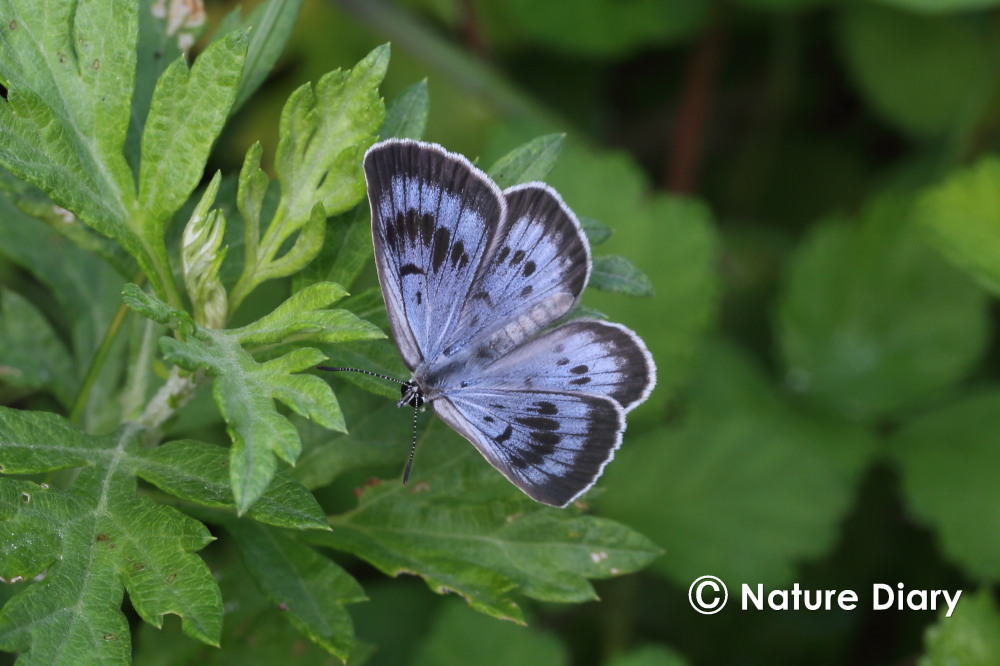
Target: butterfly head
<point>411,394</point>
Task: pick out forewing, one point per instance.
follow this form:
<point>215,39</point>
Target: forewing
<point>533,273</point>
<point>433,217</point>
<point>583,355</point>
<point>552,445</point>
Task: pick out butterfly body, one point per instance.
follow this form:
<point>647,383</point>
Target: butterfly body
<point>473,279</point>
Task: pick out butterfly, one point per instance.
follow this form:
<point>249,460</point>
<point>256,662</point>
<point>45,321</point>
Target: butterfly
<point>473,278</point>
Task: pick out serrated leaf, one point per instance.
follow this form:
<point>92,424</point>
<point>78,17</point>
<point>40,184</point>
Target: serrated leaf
<point>620,276</point>
<point>871,321</point>
<point>67,104</point>
<point>31,355</point>
<point>459,636</point>
<point>697,487</point>
<point>324,132</point>
<point>464,528</point>
<point>946,458</point>
<point>406,114</point>
<point>186,114</point>
<point>311,588</point>
<point>531,161</point>
<point>107,540</point>
<point>199,473</point>
<point>304,318</point>
<point>166,31</point>
<point>255,631</point>
<point>245,389</point>
<point>961,218</point>
<point>970,637</point>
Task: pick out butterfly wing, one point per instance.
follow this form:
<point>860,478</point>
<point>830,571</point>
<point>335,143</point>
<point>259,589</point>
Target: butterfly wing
<point>433,218</point>
<point>534,271</point>
<point>550,444</point>
<point>550,414</point>
<point>584,355</point>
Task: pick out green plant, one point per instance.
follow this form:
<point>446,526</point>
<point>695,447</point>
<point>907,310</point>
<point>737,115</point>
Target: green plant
<point>112,474</point>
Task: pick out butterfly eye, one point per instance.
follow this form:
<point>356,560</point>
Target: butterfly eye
<point>411,395</point>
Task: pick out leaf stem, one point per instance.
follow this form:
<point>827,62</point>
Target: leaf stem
<point>97,363</point>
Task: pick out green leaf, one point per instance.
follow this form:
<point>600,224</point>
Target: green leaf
<point>271,26</point>
<point>940,6</point>
<point>323,134</point>
<point>896,60</point>
<point>530,162</point>
<point>695,487</point>
<point>152,308</point>
<point>619,275</point>
<point>324,131</point>
<point>304,317</point>
<point>406,114</point>
<point>962,219</point>
<point>459,636</point>
<point>606,27</point>
<point>946,458</point>
<point>378,436</point>
<point>68,107</point>
<point>198,472</point>
<point>186,114</point>
<point>971,636</point>
<point>648,655</point>
<point>347,250</point>
<point>31,355</point>
<point>255,631</point>
<point>311,588</point>
<point>98,538</point>
<point>871,322</point>
<point>245,389</point>
<point>596,232</point>
<point>462,527</point>
<point>163,37</point>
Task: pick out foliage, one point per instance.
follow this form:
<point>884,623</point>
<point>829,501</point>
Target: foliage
<point>96,504</point>
<point>801,218</point>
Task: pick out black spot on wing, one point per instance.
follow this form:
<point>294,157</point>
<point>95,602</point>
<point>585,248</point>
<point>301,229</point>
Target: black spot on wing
<point>420,297</point>
<point>517,258</point>
<point>563,361</point>
<point>579,369</point>
<point>504,251</point>
<point>580,381</point>
<point>442,239</point>
<point>410,269</point>
<point>545,407</point>
<point>529,268</point>
<point>504,436</point>
<point>538,422</point>
<point>459,258</point>
<point>526,291</point>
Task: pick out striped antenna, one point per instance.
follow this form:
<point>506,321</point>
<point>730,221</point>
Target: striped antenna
<point>411,395</point>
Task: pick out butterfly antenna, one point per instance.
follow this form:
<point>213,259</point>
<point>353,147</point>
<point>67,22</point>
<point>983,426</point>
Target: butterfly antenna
<point>364,372</point>
<point>413,447</point>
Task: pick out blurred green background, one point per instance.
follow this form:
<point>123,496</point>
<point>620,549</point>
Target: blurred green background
<point>807,184</point>
<point>810,188</point>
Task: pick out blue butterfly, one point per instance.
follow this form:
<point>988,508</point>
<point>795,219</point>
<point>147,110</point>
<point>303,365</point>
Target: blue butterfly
<point>473,277</point>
